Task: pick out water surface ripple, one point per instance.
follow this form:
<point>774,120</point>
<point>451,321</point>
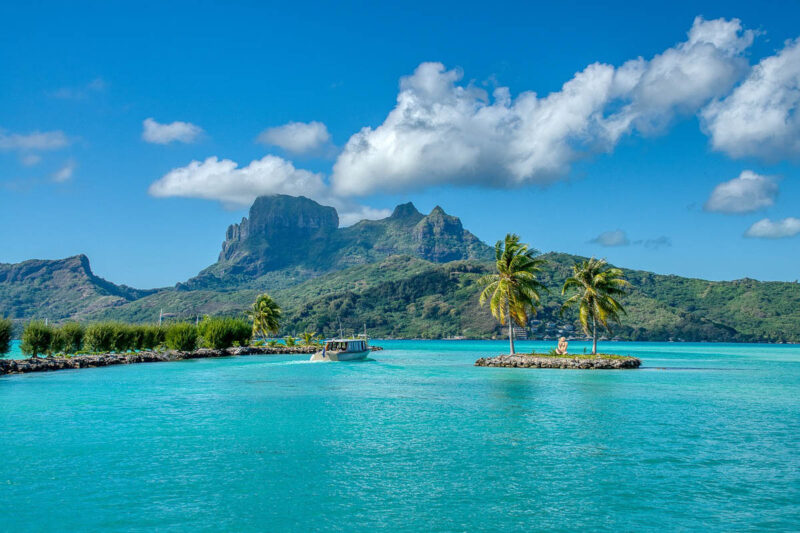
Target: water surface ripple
<point>416,439</point>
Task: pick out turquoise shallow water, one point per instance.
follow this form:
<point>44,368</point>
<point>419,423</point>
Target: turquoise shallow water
<point>705,437</point>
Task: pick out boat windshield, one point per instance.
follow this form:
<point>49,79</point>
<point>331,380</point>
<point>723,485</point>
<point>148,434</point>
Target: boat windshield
<point>346,346</point>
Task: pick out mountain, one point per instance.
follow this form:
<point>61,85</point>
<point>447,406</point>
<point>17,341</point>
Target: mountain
<point>302,238</point>
<point>404,296</point>
<point>58,289</point>
<point>408,275</point>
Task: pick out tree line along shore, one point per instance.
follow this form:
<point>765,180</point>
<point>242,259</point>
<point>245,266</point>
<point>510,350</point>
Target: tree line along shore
<point>218,333</point>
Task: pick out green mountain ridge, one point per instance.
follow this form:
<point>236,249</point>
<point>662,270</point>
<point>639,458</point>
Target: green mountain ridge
<point>409,275</point>
<point>58,289</point>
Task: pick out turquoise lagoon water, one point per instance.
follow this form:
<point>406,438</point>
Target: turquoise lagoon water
<point>704,437</point>
<point>15,352</point>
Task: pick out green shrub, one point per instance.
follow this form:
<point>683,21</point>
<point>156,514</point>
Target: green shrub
<point>100,337</point>
<point>182,337</point>
<point>6,329</point>
<point>289,340</point>
<point>153,336</point>
<point>36,338</point>
<point>58,341</point>
<point>136,333</point>
<point>124,338</point>
<point>72,333</point>
<point>224,332</point>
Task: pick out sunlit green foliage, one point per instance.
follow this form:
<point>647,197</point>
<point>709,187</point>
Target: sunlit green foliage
<point>224,332</point>
<point>513,292</point>
<point>101,337</point>
<point>36,338</point>
<point>182,337</point>
<point>309,338</point>
<point>6,330</point>
<point>597,289</point>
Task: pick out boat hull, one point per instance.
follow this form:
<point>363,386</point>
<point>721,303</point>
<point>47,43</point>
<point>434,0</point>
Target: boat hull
<point>340,356</point>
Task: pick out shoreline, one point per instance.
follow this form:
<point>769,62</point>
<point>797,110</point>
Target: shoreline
<point>575,362</point>
<point>50,364</point>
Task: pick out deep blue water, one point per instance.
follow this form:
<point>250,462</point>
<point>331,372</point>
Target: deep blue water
<point>704,437</point>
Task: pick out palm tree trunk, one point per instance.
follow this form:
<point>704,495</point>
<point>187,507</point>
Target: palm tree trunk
<point>594,336</point>
<point>510,329</point>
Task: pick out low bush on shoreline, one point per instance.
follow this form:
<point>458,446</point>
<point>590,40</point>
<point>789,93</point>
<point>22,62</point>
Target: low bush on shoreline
<point>36,338</point>
<point>6,328</point>
<point>182,337</point>
<point>579,355</point>
<point>225,332</point>
<point>72,338</point>
<point>101,337</point>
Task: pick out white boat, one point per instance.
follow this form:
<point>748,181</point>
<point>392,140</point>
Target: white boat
<point>343,350</point>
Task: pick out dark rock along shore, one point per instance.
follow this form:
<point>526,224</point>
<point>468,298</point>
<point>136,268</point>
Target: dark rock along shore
<point>45,364</point>
<point>542,361</point>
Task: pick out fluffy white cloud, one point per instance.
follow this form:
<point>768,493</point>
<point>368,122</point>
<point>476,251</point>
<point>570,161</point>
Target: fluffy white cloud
<point>297,137</point>
<point>65,172</point>
<point>745,194</point>
<point>777,229</point>
<point>234,186</point>
<point>36,141</point>
<point>155,132</point>
<point>442,132</point>
<point>611,238</point>
<point>761,117</point>
<point>224,180</point>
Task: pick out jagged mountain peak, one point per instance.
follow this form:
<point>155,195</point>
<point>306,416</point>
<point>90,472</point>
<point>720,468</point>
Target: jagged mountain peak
<point>284,231</point>
<point>405,211</point>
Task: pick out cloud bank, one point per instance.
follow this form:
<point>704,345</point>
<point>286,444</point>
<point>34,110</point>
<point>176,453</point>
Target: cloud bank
<point>748,193</point>
<point>35,141</point>
<point>611,238</point>
<point>761,117</point>
<point>777,229</point>
<point>297,137</point>
<point>155,132</point>
<point>224,180</point>
<point>442,132</point>
<point>615,238</point>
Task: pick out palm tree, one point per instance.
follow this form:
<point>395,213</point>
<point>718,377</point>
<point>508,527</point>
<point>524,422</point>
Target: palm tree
<point>513,291</point>
<point>309,338</point>
<point>266,315</point>
<point>598,287</point>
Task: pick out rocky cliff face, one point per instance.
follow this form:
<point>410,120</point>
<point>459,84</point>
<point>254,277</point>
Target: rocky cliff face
<point>441,238</point>
<point>280,220</point>
<point>280,231</point>
<point>295,232</point>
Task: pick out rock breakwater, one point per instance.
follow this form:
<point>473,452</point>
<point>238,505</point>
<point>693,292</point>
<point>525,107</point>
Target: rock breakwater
<point>576,362</point>
<point>46,364</point>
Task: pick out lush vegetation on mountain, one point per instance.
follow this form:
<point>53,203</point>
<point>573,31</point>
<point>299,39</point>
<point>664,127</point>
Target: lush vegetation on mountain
<point>409,275</point>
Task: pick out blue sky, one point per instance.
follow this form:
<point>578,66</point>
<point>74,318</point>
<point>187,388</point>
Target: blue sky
<point>663,163</point>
